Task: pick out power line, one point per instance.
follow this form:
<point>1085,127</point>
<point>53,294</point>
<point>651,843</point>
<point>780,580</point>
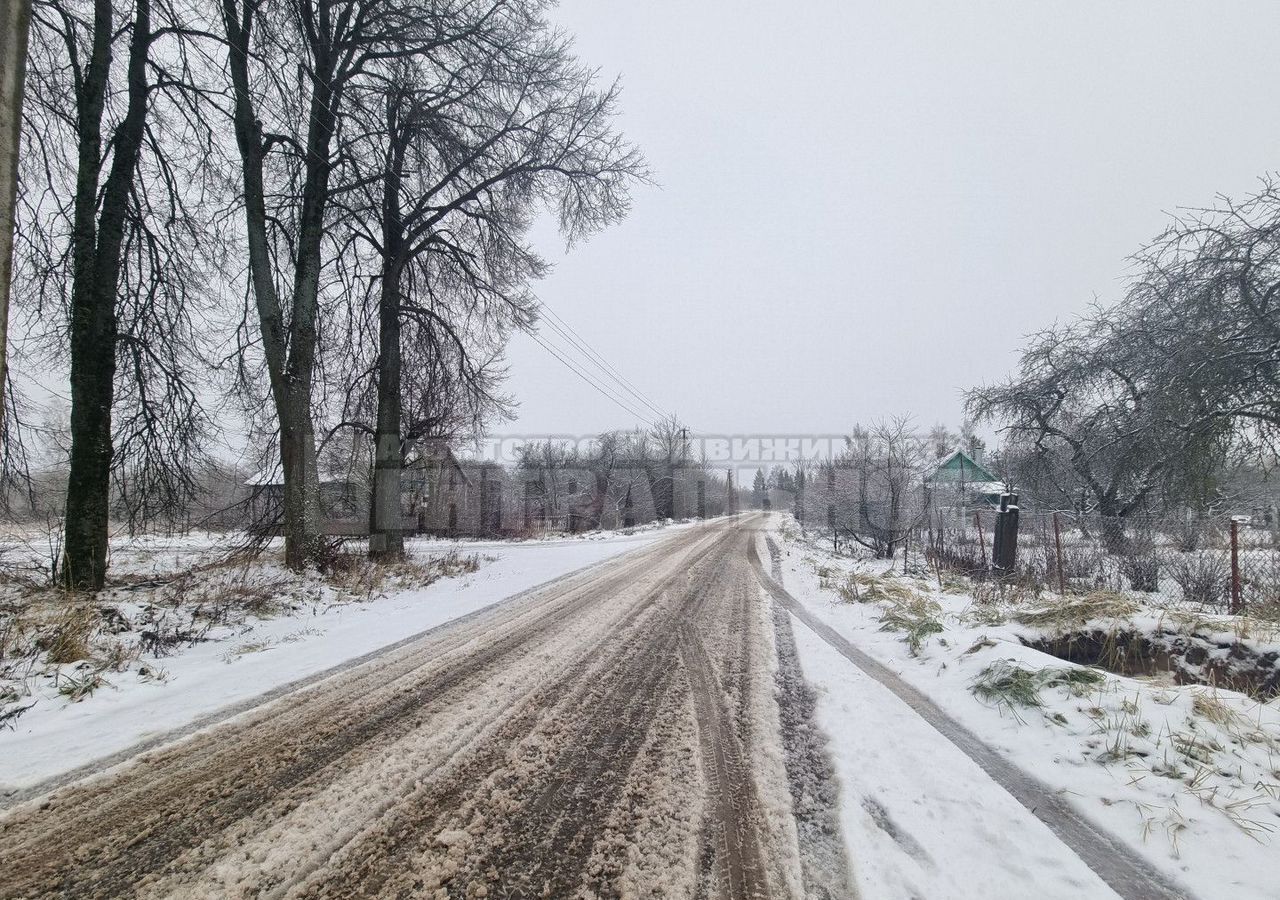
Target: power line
<point>601,363</point>
<point>550,348</point>
<point>560,354</point>
<point>595,357</point>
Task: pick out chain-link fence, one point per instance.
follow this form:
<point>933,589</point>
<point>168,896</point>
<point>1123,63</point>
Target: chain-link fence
<point>1220,563</point>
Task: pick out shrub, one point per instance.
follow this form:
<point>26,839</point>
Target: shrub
<point>1081,562</point>
<point>1142,570</point>
<point>1188,534</point>
<point>1202,577</point>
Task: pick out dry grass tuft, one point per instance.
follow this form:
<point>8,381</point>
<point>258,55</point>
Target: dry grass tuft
<point>76,687</point>
<point>1208,705</point>
<point>885,589</point>
<point>1007,684</point>
<point>917,618</point>
<point>1073,612</point>
<point>68,639</point>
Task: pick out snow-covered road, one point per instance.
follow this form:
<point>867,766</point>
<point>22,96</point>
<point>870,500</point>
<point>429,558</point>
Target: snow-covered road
<point>212,680</point>
<point>615,734</point>
<point>667,723</point>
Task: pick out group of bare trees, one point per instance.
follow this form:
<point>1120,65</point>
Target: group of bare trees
<point>873,493</point>
<point>1159,398</point>
<point>652,472</point>
<point>316,210</point>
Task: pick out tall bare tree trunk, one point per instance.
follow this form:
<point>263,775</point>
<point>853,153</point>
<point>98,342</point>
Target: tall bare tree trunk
<point>97,240</point>
<point>290,353</point>
<point>386,540</point>
<point>302,514</point>
<point>15,25</point>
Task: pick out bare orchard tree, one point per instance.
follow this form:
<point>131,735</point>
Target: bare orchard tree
<point>1091,421</point>
<point>109,251</point>
<point>1201,319</point>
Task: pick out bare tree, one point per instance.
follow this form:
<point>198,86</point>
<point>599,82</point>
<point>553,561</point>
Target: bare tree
<point>469,142</point>
<point>292,65</point>
<point>107,242</point>
<point>886,462</point>
<point>1201,318</point>
<point>1093,423</point>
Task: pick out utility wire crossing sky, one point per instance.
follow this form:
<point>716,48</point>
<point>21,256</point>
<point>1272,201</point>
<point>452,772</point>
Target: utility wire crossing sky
<point>862,208</point>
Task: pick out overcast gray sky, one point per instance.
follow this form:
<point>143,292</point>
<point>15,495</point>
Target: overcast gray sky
<point>864,206</point>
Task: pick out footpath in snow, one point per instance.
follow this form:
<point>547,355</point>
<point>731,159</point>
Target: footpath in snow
<point>1185,777</point>
<point>232,666</point>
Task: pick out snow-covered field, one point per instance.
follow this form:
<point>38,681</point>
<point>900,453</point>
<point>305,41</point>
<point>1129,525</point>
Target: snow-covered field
<point>291,629</point>
<point>1186,776</point>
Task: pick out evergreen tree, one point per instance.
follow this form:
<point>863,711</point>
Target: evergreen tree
<point>759,489</point>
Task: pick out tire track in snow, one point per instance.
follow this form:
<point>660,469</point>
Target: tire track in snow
<point>811,774</point>
<point>1130,876</point>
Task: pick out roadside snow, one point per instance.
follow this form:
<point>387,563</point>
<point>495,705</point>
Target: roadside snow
<point>234,665</point>
<point>1187,777</point>
<point>920,818</point>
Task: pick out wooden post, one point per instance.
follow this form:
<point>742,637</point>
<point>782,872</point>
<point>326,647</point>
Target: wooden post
<point>982,541</point>
<point>1057,540</point>
<point>1237,606</point>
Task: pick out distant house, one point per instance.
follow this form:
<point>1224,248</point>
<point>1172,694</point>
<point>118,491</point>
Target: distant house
<point>437,492</point>
<point>344,500</point>
<point>960,481</point>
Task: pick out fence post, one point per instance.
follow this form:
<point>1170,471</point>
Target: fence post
<point>1057,540</point>
<point>1236,606</point>
<point>982,541</point>
<point>1004,548</point>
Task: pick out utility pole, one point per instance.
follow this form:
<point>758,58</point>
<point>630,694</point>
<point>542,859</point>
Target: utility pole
<point>15,24</point>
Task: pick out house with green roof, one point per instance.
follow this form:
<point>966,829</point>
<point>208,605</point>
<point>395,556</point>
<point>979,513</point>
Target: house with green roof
<point>960,480</point>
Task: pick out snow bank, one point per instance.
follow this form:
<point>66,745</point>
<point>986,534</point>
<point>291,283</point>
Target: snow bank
<point>235,665</point>
<point>1185,776</point>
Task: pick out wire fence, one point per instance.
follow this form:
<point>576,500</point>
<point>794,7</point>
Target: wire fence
<point>1222,563</point>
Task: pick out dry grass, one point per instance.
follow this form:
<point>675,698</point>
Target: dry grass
<point>1009,685</point>
<point>68,639</point>
<point>917,618</point>
<point>1065,613</point>
<point>78,641</point>
<point>359,576</point>
<point>885,589</point>
<point>1210,706</point>
<point>76,687</point>
<point>1196,748</point>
